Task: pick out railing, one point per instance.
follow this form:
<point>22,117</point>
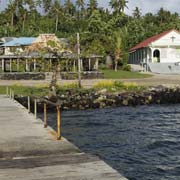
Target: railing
<point>57,105</point>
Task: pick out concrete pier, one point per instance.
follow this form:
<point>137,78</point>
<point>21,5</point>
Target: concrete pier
<point>30,152</point>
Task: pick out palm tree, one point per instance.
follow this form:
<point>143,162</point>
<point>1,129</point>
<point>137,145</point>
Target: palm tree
<point>11,11</point>
<point>137,13</point>
<point>69,7</point>
<point>46,5</point>
<point>80,6</point>
<point>119,46</point>
<point>92,5</point>
<point>118,5</point>
<point>117,50</point>
<point>56,10</point>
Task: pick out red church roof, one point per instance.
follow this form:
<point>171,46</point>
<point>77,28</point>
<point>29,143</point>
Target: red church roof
<point>146,42</point>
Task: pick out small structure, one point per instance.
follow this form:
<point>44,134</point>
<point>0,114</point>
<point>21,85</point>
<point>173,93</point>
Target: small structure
<point>12,51</point>
<point>4,40</point>
<point>159,54</point>
<point>17,46</point>
<point>43,54</point>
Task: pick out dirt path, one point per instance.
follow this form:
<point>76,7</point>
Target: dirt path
<point>155,80</point>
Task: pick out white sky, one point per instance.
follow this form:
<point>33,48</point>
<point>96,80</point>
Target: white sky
<point>145,5</point>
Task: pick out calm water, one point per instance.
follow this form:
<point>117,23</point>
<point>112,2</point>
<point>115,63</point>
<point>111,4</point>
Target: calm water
<point>142,143</point>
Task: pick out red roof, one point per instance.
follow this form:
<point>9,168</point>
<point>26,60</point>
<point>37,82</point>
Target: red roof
<point>146,42</point>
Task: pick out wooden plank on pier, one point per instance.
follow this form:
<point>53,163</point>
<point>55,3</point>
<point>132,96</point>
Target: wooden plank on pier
<point>30,152</point>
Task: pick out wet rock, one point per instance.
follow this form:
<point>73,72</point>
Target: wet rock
<point>72,99</point>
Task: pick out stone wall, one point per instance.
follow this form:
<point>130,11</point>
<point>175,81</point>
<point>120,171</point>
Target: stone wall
<point>84,75</point>
<point>22,76</point>
<point>91,99</point>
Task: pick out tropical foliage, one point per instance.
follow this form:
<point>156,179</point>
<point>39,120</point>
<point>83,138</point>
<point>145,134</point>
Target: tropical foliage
<point>102,31</point>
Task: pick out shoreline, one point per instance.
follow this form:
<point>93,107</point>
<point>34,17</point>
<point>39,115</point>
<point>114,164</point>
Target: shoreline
<point>75,100</point>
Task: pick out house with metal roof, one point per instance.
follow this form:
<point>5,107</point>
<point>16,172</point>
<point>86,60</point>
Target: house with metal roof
<point>17,45</point>
<point>159,54</point>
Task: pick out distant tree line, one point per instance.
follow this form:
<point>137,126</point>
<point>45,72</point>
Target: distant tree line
<point>102,31</point>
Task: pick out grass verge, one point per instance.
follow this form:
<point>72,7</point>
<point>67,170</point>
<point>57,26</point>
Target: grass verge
<point>111,74</point>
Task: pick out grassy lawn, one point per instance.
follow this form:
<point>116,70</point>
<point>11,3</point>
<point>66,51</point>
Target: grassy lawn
<point>23,90</point>
<point>111,74</point>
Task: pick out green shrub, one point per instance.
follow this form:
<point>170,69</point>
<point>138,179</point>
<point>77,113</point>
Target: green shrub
<point>126,67</point>
<point>67,86</point>
<point>118,84</point>
<point>114,86</point>
<point>106,84</point>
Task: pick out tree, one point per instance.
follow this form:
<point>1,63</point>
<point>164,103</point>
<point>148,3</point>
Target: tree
<point>91,6</point>
<point>118,48</point>
<point>11,11</point>
<point>80,6</point>
<point>56,11</point>
<point>69,7</point>
<point>118,5</point>
<point>137,13</point>
<point>46,4</point>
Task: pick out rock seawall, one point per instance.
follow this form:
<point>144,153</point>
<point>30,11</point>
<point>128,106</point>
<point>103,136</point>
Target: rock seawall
<point>91,99</point>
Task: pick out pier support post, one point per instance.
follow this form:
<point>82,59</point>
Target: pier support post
<point>13,94</point>
<point>89,64</point>
<point>29,105</point>
<point>10,93</point>
<point>58,123</point>
<point>35,108</point>
<point>45,115</point>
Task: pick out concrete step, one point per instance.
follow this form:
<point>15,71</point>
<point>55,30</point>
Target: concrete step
<point>164,68</point>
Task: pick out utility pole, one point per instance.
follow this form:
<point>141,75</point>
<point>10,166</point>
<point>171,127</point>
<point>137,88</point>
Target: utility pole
<point>79,61</point>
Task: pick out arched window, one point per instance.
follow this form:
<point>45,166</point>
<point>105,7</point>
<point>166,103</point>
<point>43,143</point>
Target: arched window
<point>156,55</point>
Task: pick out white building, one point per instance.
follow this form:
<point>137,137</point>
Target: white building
<point>160,53</point>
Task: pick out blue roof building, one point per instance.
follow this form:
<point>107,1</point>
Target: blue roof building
<point>16,46</point>
<point>22,41</point>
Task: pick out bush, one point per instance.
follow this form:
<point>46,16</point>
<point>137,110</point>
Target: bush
<point>114,86</point>
<point>119,84</point>
<point>107,84</point>
<point>126,67</point>
<point>68,86</point>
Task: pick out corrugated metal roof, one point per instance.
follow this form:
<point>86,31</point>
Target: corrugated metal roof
<point>146,42</point>
<point>7,39</point>
<point>22,41</point>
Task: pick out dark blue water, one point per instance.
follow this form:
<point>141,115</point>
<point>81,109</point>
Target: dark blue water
<point>142,143</point>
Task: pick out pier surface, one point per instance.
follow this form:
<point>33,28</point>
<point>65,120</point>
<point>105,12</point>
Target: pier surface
<point>30,152</point>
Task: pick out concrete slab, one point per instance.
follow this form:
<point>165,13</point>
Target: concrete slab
<point>30,152</point>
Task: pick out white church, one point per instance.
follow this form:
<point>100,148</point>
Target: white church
<point>158,54</point>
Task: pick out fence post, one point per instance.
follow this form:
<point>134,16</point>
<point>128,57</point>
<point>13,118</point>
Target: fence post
<point>58,123</point>
<point>29,105</point>
<point>45,115</point>
<point>35,107</point>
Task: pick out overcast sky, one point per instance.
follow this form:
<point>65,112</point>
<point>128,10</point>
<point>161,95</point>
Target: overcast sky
<point>144,5</point>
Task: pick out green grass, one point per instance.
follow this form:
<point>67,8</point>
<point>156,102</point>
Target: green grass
<point>25,91</point>
<point>111,74</point>
<point>2,89</point>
